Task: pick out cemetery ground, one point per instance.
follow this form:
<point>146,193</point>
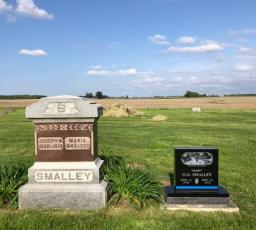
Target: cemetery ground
<point>150,145</point>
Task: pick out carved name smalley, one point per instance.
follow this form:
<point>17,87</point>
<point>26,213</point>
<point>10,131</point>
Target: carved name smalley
<point>71,143</point>
<point>64,176</point>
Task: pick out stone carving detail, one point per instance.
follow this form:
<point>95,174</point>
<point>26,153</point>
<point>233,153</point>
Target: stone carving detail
<point>67,173</point>
<point>197,158</point>
<point>50,143</point>
<point>55,127</point>
<point>76,143</point>
<point>61,108</point>
<point>64,176</point>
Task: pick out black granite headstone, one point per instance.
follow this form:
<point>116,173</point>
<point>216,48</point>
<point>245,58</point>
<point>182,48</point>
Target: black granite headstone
<point>196,168</point>
<point>196,173</point>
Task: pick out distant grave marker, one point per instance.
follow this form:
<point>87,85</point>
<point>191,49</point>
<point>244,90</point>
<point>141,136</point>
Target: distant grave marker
<point>196,110</point>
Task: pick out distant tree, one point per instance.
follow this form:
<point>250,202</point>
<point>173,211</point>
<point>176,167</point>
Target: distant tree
<point>89,95</point>
<point>194,94</point>
<point>99,95</point>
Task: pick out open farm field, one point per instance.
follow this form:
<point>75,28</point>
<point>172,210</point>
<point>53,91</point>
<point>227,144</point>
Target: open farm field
<point>150,145</point>
<point>215,103</point>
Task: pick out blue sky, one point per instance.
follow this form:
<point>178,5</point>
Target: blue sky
<point>135,47</point>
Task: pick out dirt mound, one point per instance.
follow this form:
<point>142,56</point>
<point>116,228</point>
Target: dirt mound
<point>159,118</point>
<point>121,110</point>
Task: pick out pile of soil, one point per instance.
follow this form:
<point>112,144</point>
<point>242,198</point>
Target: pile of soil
<point>121,110</point>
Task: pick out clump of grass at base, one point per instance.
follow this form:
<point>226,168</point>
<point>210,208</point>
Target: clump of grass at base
<point>11,178</point>
<point>131,185</point>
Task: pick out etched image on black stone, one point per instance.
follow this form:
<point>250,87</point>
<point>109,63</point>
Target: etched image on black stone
<point>196,167</point>
<point>197,158</point>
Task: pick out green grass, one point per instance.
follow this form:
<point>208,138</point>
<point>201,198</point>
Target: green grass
<point>150,144</point>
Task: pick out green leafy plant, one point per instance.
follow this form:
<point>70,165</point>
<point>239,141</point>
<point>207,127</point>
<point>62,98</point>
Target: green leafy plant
<point>11,178</point>
<point>129,184</point>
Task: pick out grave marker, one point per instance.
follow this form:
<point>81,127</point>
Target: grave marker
<point>196,185</point>
<point>66,172</point>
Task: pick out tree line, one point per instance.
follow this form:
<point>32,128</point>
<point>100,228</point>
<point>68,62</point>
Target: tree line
<point>21,96</point>
<point>101,95</point>
<point>97,95</point>
<point>196,94</point>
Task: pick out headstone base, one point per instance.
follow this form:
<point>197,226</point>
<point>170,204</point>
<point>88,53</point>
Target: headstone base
<point>67,196</point>
<point>211,202</point>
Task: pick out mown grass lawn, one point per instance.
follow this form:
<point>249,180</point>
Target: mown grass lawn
<point>150,145</point>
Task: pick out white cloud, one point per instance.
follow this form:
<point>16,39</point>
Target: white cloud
<point>247,52</point>
<point>243,67</point>
<point>209,46</point>
<point>97,71</point>
<point>28,8</point>
<point>149,80</point>
<point>186,40</point>
<point>126,72</point>
<point>35,53</point>
<point>169,82</point>
<point>96,67</point>
<point>158,39</point>
<point>4,6</point>
<point>211,82</point>
<point>11,18</point>
<point>246,31</point>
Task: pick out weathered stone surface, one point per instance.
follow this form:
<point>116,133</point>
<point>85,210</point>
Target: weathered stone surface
<point>93,168</point>
<point>198,200</point>
<point>201,204</point>
<point>68,196</point>
<point>66,173</point>
<point>63,107</point>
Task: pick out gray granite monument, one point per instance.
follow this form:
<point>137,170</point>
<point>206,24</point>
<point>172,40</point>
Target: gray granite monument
<point>66,172</point>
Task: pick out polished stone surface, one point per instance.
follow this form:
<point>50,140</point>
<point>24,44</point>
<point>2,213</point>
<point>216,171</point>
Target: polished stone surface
<point>199,201</point>
<point>170,191</point>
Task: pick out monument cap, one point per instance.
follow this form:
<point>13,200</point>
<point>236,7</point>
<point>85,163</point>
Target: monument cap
<point>64,107</point>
